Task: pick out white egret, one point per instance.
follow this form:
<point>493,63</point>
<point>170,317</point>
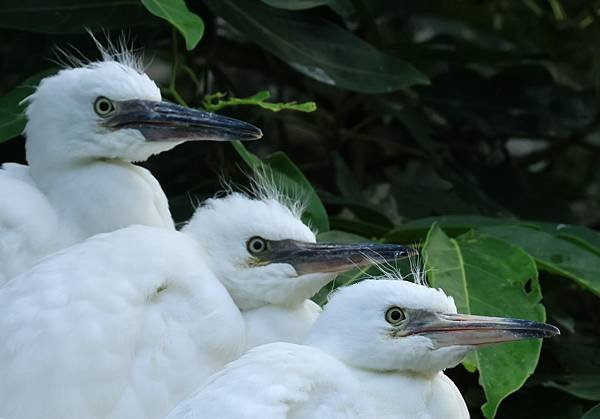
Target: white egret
<point>270,263</point>
<point>85,127</point>
<point>394,339</point>
<point>127,323</point>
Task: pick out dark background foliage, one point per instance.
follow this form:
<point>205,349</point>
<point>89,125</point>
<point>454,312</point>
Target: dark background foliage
<point>508,126</point>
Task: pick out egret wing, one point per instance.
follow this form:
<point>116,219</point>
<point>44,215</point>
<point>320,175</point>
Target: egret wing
<point>28,223</point>
<point>278,381</point>
<point>123,325</point>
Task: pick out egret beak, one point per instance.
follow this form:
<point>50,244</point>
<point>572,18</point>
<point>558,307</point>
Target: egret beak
<point>309,258</point>
<point>467,330</point>
<point>165,121</point>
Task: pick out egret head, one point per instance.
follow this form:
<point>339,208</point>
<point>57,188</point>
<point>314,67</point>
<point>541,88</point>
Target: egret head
<point>264,254</point>
<point>396,325</point>
<point>111,109</point>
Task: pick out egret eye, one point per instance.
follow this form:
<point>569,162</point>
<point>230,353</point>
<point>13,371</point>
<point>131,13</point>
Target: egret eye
<point>256,245</point>
<point>103,106</point>
<point>394,315</point>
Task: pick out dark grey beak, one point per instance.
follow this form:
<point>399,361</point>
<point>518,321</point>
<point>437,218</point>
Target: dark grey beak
<point>468,330</point>
<point>165,121</point>
<point>332,257</point>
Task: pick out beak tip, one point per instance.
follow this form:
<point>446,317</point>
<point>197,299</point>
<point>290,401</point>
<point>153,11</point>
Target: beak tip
<point>252,134</point>
<point>553,331</point>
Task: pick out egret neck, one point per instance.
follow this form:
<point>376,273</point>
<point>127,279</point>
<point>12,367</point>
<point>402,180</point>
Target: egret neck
<point>102,195</point>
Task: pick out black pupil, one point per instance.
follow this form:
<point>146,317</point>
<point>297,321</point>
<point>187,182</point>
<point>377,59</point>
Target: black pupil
<point>104,106</point>
<point>257,245</point>
<point>396,315</point>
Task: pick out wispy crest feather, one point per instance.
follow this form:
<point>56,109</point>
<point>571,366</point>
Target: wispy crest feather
<point>266,184</point>
<point>387,270</point>
<point>121,51</point>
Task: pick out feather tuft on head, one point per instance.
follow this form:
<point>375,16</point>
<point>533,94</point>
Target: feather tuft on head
<point>120,51</point>
<point>388,271</point>
<point>265,184</point>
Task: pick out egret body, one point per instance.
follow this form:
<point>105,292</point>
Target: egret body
<point>85,127</point>
<point>122,325</point>
<point>279,381</point>
<point>393,338</point>
<point>128,323</point>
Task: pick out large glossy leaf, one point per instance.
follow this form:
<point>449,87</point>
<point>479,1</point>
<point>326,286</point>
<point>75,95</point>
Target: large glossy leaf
<point>363,210</point>
<point>582,236</point>
<point>363,228</point>
<point>315,211</point>
<point>12,116</point>
<point>555,254</point>
<point>593,413</point>
<point>488,276</point>
<point>584,386</point>
<point>72,16</point>
<point>291,181</point>
<point>453,225</point>
<point>570,251</point>
<point>177,14</point>
<point>336,236</point>
<point>318,48</point>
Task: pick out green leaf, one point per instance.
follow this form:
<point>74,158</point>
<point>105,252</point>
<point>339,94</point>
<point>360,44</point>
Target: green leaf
<point>315,211</point>
<point>249,158</point>
<point>345,180</point>
<point>363,228</point>
<point>569,251</point>
<point>72,16</point>
<point>296,4</point>
<point>363,210</point>
<point>554,254</point>
<point>12,113</point>
<point>215,102</point>
<point>453,225</point>
<point>291,181</point>
<point>190,25</point>
<point>337,236</point>
<point>593,413</point>
<point>584,386</point>
<point>318,48</point>
<point>579,235</point>
<point>488,276</point>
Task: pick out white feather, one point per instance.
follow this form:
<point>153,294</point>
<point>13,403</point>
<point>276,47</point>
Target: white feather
<point>349,367</point>
<point>123,325</point>
<point>279,381</point>
<point>80,180</point>
<point>273,298</point>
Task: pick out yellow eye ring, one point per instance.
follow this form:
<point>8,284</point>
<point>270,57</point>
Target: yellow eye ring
<point>394,315</point>
<point>103,106</point>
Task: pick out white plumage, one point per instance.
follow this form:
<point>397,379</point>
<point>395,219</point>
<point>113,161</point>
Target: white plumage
<point>128,323</point>
<point>85,127</point>
<point>403,376</point>
<point>279,381</point>
<point>377,351</point>
<point>78,182</point>
<point>122,325</point>
<point>273,287</point>
<point>273,298</point>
